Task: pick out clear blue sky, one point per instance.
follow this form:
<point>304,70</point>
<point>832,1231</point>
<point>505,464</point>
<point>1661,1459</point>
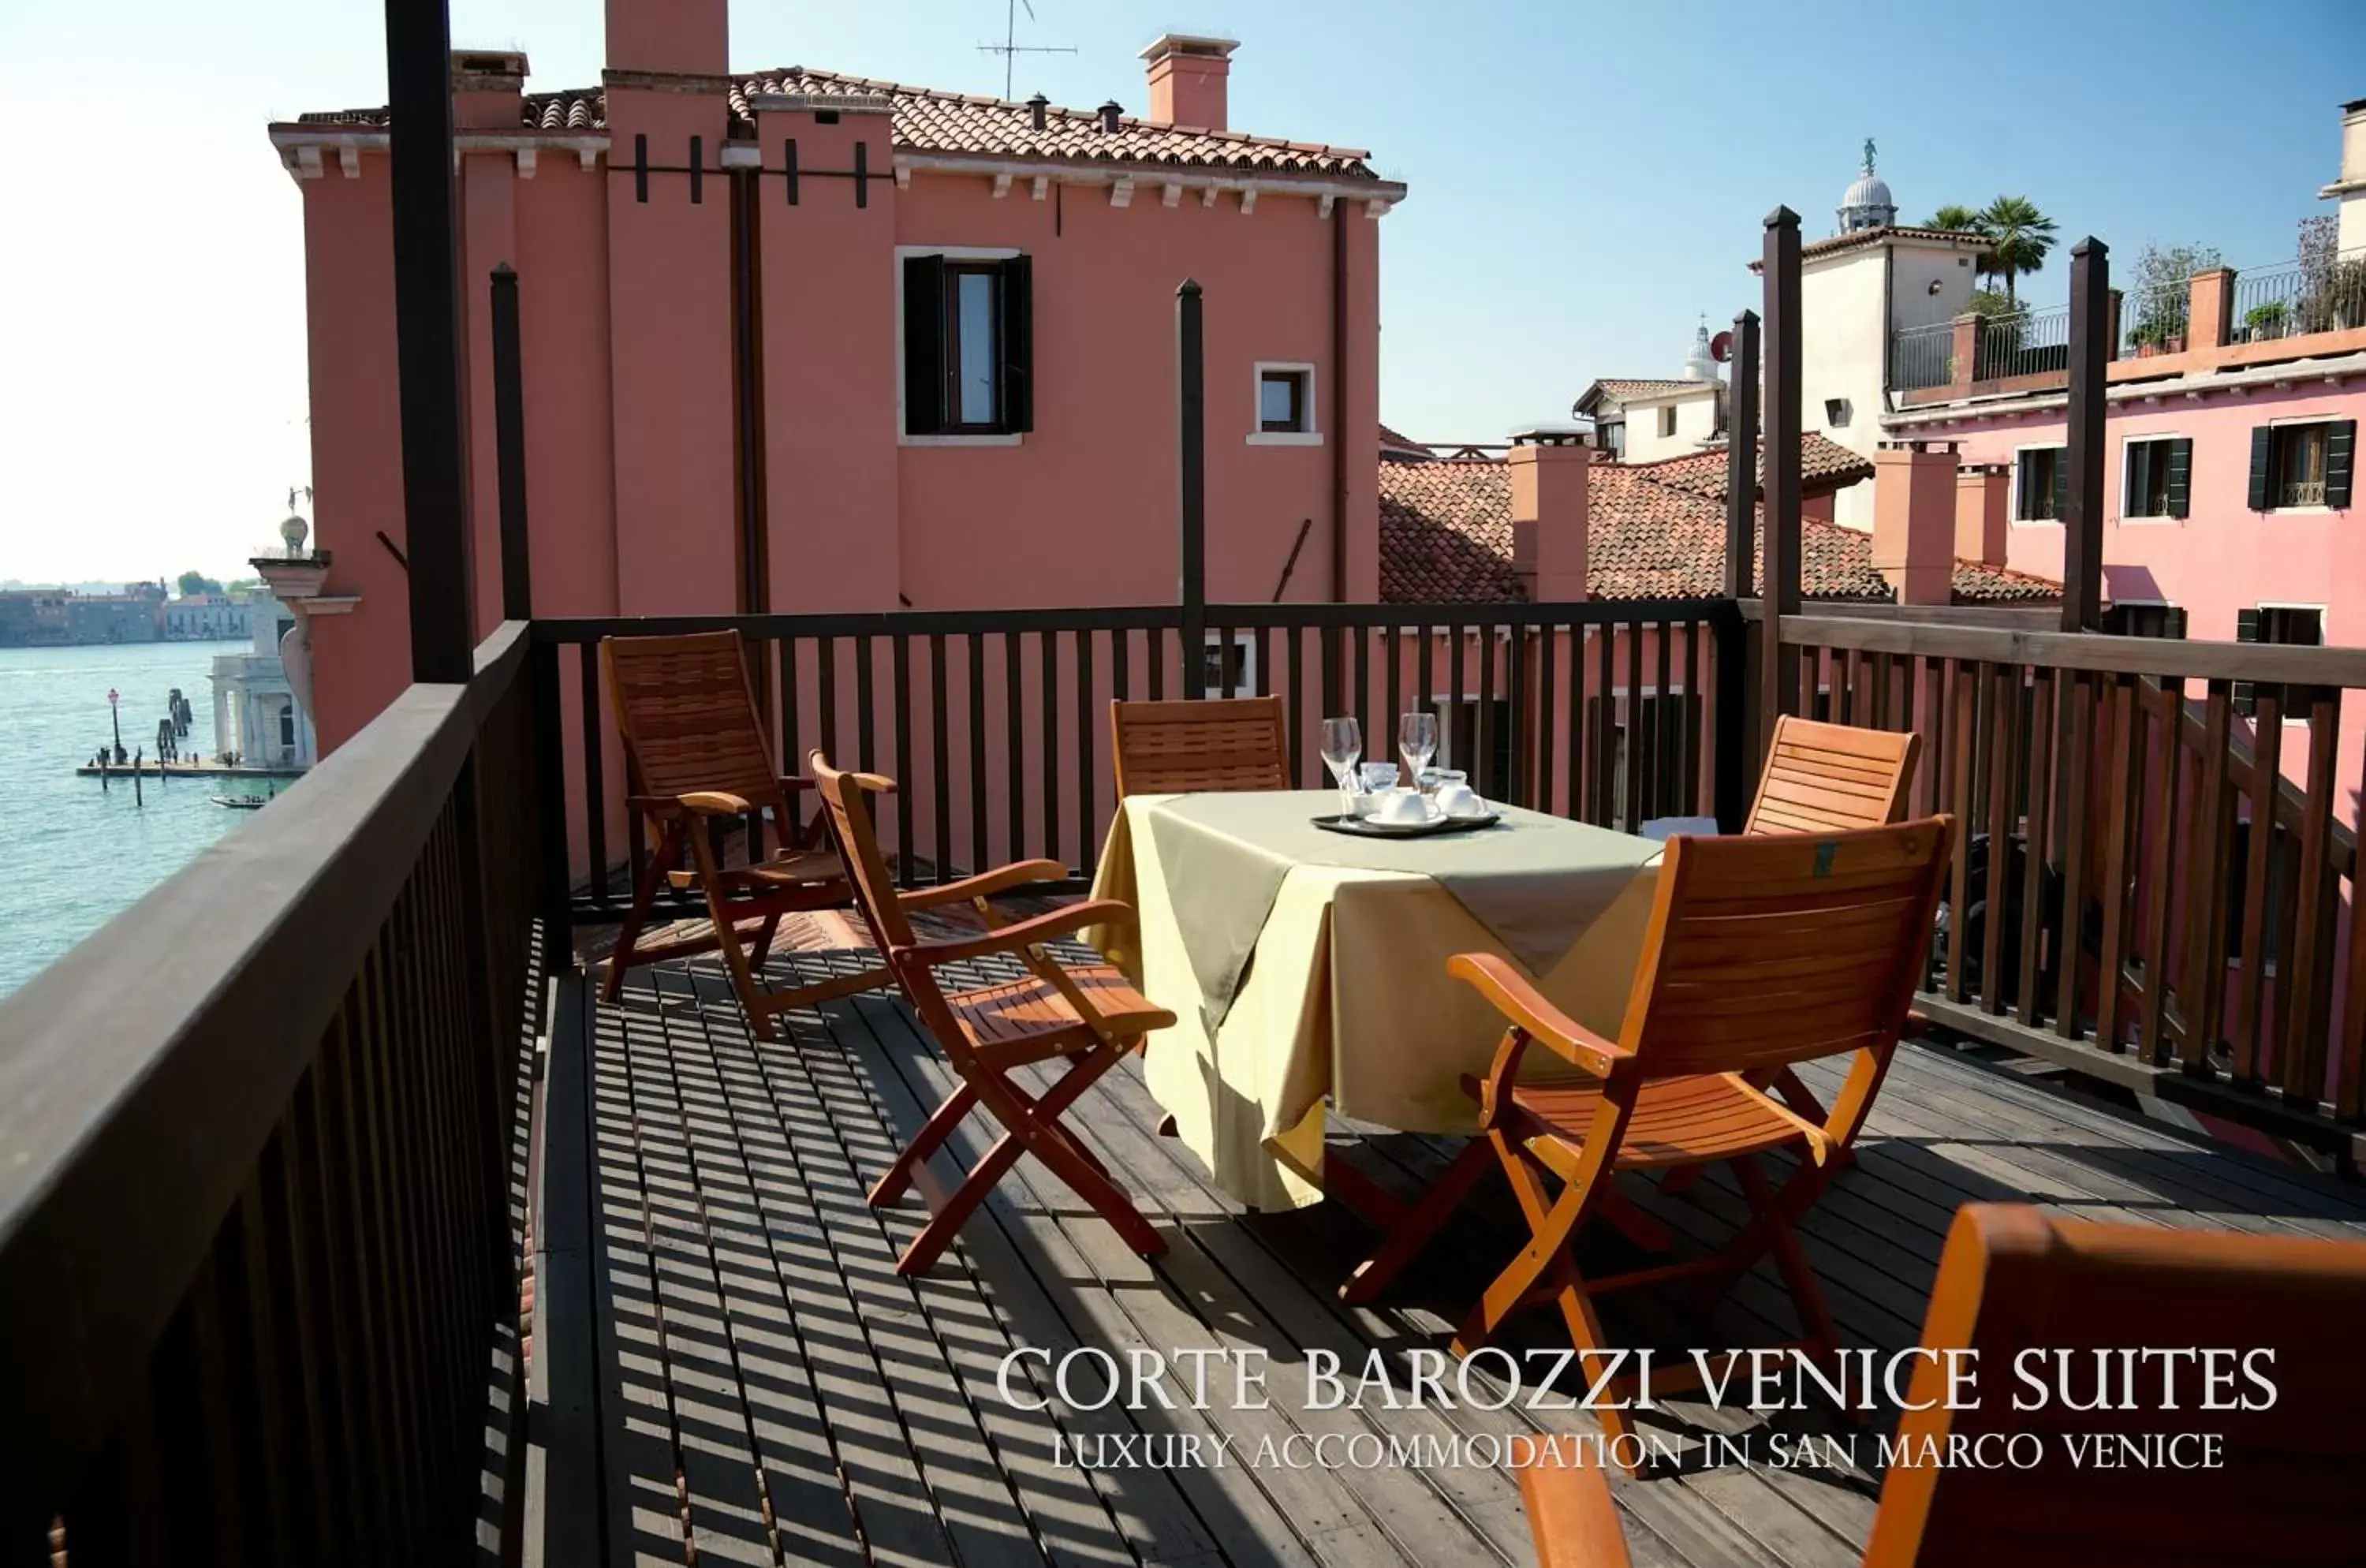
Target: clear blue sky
<point>1586,179</point>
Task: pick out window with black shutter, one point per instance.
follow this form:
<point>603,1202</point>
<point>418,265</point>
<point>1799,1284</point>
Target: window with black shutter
<point>2304,465</point>
<point>2145,620</point>
<point>968,345</point>
<point>2158,478</point>
<point>2042,485</point>
<point>2291,625</point>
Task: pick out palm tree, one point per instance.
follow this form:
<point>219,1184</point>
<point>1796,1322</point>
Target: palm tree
<point>2020,237</point>
<point>1955,219</point>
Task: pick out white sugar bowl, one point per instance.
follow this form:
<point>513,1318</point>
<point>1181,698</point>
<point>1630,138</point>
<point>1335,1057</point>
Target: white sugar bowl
<point>1400,808</point>
<point>1460,800</point>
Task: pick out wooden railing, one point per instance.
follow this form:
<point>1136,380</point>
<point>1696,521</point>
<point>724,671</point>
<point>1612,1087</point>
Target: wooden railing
<point>258,1255</point>
<point>2116,904</point>
<point>995,723</point>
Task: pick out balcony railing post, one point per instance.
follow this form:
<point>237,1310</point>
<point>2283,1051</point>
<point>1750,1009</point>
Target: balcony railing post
<point>509,447</point>
<point>1191,409</point>
<point>427,342</point>
<point>1735,742</point>
<point>1779,594</point>
<point>2082,522</point>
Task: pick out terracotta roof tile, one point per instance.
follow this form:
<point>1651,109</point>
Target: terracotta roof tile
<point>1446,533</point>
<point>1617,390</point>
<point>929,120</point>
<point>1827,245</point>
<point>1445,537</point>
<point>1824,465</point>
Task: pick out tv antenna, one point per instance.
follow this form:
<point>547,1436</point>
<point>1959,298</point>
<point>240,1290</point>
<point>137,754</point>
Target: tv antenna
<point>1010,49</point>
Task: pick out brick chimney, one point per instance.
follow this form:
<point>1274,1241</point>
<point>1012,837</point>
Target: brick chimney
<point>1186,80</point>
<point>1981,492</point>
<point>1548,514</point>
<point>486,85</point>
<point>682,37</point>
<point>1914,519</point>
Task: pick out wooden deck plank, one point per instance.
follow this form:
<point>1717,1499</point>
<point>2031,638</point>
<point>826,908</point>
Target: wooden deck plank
<point>1318,1506</point>
<point>940,1339</point>
<point>726,1512</point>
<point>759,1361</point>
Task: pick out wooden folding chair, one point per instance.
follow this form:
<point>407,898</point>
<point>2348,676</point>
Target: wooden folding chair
<point>1826,778</point>
<point>1177,747</point>
<point>697,758</point>
<point>1760,953</point>
<point>2013,1279</point>
<point>1088,1017</point>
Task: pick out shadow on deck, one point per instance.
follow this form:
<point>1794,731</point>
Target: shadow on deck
<point>731,1371</point>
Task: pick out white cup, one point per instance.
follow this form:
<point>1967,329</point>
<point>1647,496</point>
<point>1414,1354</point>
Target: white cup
<point>1401,808</point>
<point>1460,800</point>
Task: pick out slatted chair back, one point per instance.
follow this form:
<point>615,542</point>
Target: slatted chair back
<point>1234,743</point>
<point>2013,1277</point>
<point>1821,778</point>
<point>1764,951</point>
<point>845,796</point>
<point>687,714</point>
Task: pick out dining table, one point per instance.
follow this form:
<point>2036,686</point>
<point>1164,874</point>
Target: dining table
<point>1307,969</point>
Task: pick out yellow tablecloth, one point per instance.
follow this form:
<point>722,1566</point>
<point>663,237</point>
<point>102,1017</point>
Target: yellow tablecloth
<point>1347,1001</point>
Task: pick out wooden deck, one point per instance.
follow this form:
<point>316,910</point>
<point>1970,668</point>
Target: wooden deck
<point>727,1369</point>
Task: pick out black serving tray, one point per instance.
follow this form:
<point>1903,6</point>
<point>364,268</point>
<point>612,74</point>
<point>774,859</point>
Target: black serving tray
<point>1364,827</point>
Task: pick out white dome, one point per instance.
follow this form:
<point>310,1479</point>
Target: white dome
<point>1870,190</point>
<point>1700,365</point>
<point>1867,203</point>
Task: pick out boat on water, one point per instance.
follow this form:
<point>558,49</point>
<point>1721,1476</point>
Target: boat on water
<point>242,802</point>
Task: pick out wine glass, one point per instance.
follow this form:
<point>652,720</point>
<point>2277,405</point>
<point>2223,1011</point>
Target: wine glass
<point>1342,744</point>
<point>1417,741</point>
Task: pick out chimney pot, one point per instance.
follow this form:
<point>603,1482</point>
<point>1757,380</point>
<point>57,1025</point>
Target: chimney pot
<point>1187,77</point>
<point>1110,112</point>
<point>1036,110</point>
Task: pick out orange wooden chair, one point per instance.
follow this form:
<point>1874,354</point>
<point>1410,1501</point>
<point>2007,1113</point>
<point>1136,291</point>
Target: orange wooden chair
<point>697,757</point>
<point>1825,778</point>
<point>1088,1017</point>
<point>2013,1279</point>
<point>1229,743</point>
<point>1760,953</point>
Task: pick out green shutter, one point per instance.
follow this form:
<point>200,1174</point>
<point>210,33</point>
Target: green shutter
<point>1016,330</point>
<point>2061,484</point>
<point>2180,480</point>
<point>2173,622</point>
<point>2247,629</point>
<point>924,346</point>
<point>2340,454</point>
<point>2262,455</point>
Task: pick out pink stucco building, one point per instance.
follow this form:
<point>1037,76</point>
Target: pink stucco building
<point>799,342</point>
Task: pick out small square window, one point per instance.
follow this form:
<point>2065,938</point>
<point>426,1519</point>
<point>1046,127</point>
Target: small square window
<point>1836,413</point>
<point>1282,402</point>
<point>1228,666</point>
<point>1667,421</point>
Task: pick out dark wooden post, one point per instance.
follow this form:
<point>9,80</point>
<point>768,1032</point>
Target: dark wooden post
<point>1191,454</point>
<point>1736,742</point>
<point>2082,520</point>
<point>508,447</point>
<point>517,604</point>
<point>427,340</point>
<point>1778,595</point>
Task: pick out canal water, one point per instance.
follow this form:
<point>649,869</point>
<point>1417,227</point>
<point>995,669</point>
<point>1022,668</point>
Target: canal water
<point>72,857</point>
